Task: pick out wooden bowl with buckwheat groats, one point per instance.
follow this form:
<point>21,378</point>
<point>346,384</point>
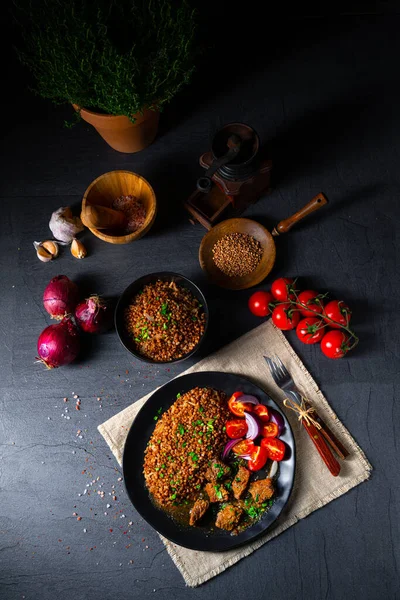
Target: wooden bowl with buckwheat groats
<point>237,253</point>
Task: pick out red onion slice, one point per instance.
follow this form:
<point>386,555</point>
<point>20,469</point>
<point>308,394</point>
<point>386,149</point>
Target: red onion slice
<point>247,398</point>
<point>253,427</point>
<point>229,447</point>
<point>277,418</point>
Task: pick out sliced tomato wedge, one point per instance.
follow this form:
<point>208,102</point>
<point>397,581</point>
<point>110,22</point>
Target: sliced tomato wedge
<point>238,408</point>
<point>275,448</point>
<point>243,448</point>
<point>258,458</point>
<point>236,428</point>
<point>270,430</point>
<point>261,411</point>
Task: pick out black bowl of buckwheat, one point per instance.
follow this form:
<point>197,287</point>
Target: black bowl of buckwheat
<point>162,318</point>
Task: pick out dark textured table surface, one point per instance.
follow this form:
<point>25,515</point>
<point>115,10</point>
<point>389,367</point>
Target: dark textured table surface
<point>324,99</point>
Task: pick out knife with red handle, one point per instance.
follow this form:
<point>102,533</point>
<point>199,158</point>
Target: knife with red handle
<point>328,434</point>
<point>322,447</point>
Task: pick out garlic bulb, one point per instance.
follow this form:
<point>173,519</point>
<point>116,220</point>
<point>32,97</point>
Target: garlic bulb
<point>47,250</point>
<point>78,249</point>
<point>64,226</point>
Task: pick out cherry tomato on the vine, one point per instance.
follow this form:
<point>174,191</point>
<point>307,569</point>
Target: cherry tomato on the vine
<point>339,312</point>
<point>275,448</point>
<point>280,289</point>
<point>258,303</point>
<point>310,331</point>
<point>334,344</point>
<point>310,299</point>
<point>284,317</point>
<point>236,428</point>
<point>258,458</point>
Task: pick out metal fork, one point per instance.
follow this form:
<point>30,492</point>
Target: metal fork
<point>284,380</point>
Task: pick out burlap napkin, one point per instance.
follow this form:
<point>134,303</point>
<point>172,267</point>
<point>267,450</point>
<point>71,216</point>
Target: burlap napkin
<point>314,486</point>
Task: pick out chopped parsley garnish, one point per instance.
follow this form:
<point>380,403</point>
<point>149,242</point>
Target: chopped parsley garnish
<point>253,512</point>
<point>165,326</point>
<point>201,409</point>
<point>220,470</point>
<point>173,497</point>
<point>228,485</point>
<point>178,396</point>
<point>184,444</point>
<point>161,475</point>
<point>164,309</point>
<point>194,456</point>
<point>157,415</point>
<point>181,429</point>
<point>218,492</point>
<point>197,486</point>
<point>194,318</point>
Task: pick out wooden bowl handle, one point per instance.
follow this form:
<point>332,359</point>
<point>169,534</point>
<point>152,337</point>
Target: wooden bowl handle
<point>315,204</point>
<point>101,217</point>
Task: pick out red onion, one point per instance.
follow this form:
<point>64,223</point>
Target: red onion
<point>59,344</point>
<point>277,418</point>
<point>229,447</point>
<point>254,429</point>
<point>247,398</point>
<point>94,315</point>
<point>60,297</point>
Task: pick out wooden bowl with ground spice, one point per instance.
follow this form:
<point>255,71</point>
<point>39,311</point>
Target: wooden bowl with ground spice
<point>126,193</point>
<point>237,253</point>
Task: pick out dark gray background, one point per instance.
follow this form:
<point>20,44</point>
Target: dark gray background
<point>323,95</point>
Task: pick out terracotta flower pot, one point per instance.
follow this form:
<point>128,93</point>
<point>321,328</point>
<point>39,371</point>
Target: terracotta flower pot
<point>120,133</point>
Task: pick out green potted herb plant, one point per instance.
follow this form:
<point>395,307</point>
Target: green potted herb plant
<point>118,62</point>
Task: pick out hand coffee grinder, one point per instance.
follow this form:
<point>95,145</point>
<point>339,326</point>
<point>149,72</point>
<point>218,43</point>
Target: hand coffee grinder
<point>236,176</point>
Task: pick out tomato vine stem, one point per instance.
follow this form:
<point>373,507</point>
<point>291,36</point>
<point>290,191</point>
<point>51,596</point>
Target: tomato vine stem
<point>296,305</point>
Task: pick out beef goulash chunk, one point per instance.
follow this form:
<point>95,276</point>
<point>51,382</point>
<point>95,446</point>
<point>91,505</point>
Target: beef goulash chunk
<point>228,517</point>
<point>198,511</point>
<point>217,471</point>
<point>261,490</point>
<point>240,481</point>
<point>216,492</point>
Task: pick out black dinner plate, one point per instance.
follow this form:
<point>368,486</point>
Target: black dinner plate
<point>199,538</point>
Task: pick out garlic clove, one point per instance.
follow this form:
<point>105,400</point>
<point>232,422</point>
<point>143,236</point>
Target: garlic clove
<point>51,247</point>
<point>42,254</point>
<point>78,249</point>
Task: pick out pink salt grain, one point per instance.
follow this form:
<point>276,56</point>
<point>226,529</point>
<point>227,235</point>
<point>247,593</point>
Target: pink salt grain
<point>134,211</point>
